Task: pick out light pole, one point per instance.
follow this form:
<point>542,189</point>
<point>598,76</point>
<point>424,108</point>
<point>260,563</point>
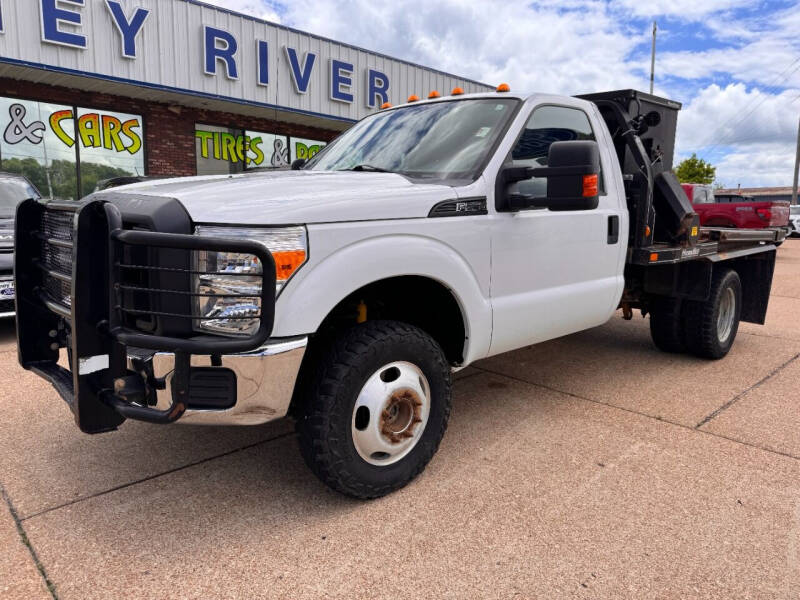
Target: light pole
<point>653,58</point>
<point>796,169</point>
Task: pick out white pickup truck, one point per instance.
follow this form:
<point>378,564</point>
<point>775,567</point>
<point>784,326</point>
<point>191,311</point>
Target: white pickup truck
<point>345,292</point>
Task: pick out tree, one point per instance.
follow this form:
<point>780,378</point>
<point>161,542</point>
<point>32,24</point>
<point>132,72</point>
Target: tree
<point>696,170</point>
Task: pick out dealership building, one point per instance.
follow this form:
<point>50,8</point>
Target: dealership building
<point>96,89</point>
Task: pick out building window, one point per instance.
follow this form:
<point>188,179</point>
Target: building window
<point>39,141</point>
<point>269,150</point>
<point>220,150</point>
<point>304,148</point>
<point>223,151</point>
<point>30,145</point>
<point>111,146</point>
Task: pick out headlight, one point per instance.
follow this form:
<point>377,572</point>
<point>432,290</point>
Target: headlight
<point>229,273</point>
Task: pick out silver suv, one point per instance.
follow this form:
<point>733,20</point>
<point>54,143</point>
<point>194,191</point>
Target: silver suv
<point>13,190</point>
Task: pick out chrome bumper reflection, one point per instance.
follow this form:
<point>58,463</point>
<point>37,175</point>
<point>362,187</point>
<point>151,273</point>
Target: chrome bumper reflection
<point>265,382</point>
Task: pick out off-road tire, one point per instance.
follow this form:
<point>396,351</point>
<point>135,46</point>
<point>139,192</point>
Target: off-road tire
<point>700,318</point>
<point>325,417</point>
<point>666,325</point>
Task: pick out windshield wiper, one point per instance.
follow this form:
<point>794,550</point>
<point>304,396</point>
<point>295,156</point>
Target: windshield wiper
<point>370,168</point>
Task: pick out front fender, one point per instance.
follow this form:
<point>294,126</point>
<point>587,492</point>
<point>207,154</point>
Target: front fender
<point>333,274</point>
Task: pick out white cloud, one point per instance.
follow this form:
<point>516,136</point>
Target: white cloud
<point>734,115</point>
<point>681,9</point>
<point>768,61</point>
<point>756,165</point>
<point>545,46</point>
<point>255,8</point>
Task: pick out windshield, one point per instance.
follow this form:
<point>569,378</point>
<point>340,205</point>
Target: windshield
<point>795,210</point>
<point>443,140</point>
<point>12,192</point>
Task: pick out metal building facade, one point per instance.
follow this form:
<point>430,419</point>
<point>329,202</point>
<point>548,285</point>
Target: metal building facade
<point>170,58</point>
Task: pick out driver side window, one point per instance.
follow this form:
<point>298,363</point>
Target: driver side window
<point>548,124</point>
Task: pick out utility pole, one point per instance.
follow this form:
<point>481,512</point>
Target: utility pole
<point>653,58</point>
<point>796,169</point>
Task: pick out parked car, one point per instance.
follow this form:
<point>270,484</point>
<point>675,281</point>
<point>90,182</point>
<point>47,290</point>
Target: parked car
<point>737,211</point>
<point>794,220</point>
<point>13,190</point>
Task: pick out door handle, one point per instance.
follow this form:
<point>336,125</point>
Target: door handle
<point>613,229</point>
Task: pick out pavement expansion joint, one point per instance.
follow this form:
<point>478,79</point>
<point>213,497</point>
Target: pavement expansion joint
<point>663,420</point>
<point>27,543</point>
<point>152,477</point>
<point>740,395</point>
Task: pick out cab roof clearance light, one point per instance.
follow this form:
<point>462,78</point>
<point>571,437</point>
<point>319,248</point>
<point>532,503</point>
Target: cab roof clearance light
<point>386,105</point>
<point>413,98</point>
<point>503,88</point>
<point>457,92</point>
<point>434,94</point>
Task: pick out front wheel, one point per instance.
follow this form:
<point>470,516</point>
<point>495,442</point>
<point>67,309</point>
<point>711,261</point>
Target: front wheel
<point>376,408</point>
<point>711,326</point>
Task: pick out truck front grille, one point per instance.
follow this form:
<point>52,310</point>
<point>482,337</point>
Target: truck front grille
<point>55,259</point>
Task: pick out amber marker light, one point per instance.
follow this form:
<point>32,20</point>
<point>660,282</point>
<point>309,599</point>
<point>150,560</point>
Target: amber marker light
<point>413,98</point>
<point>287,262</point>
<point>434,94</point>
<point>457,92</point>
<point>503,87</point>
<point>386,105</point>
<point>591,186</point>
<point>654,257</point>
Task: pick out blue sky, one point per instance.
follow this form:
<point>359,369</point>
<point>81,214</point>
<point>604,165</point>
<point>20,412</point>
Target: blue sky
<point>735,64</point>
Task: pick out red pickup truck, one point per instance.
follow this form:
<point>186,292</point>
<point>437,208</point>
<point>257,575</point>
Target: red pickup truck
<point>732,210</point>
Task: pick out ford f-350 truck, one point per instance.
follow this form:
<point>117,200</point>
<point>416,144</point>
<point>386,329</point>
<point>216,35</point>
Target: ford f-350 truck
<point>345,292</point>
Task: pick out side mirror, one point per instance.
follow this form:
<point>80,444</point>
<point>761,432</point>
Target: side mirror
<point>299,164</point>
<point>573,179</point>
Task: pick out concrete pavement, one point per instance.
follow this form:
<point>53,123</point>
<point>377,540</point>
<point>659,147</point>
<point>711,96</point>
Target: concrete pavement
<point>588,467</point>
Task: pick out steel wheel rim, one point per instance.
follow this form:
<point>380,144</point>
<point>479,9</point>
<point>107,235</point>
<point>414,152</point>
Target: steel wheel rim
<point>727,314</point>
<point>391,413</point>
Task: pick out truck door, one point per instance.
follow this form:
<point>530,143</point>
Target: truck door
<point>555,273</point>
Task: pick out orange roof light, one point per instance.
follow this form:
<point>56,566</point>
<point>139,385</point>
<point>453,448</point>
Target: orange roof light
<point>457,92</point>
<point>386,105</point>
<point>503,87</point>
<point>434,94</point>
<point>413,98</point>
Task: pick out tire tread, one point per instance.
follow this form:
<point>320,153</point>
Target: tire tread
<point>315,427</point>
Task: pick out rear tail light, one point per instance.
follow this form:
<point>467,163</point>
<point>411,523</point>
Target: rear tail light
<point>764,213</point>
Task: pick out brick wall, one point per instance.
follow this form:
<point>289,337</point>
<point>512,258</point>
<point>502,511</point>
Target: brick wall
<point>169,130</point>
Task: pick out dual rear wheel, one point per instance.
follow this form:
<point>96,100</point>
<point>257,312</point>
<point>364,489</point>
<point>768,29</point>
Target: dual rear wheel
<point>707,329</point>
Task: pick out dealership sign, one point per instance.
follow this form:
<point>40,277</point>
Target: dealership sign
<point>191,47</point>
<point>220,50</point>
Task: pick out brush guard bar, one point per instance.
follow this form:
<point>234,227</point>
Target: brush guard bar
<point>73,294</point>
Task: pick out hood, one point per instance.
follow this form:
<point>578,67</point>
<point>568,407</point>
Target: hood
<point>297,197</point>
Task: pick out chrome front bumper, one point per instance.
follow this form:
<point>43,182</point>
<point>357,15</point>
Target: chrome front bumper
<point>265,381</point>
